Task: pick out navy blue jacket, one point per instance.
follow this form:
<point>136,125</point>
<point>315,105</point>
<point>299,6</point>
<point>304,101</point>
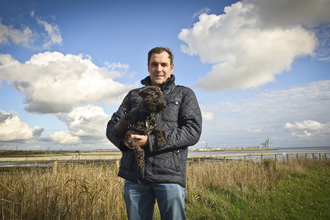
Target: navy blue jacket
<point>182,122</point>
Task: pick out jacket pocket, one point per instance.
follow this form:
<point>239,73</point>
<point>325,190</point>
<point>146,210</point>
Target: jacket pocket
<point>171,112</point>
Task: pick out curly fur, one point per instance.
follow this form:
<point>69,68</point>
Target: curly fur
<point>141,120</point>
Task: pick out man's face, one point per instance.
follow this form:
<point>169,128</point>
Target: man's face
<point>160,68</point>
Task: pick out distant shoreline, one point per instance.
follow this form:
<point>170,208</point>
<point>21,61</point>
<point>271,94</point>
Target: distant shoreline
<point>235,149</point>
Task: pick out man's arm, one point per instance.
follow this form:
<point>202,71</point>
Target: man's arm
<point>116,140</point>
<point>190,125</point>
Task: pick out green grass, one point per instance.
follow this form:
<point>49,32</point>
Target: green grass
<point>305,197</point>
<point>295,195</point>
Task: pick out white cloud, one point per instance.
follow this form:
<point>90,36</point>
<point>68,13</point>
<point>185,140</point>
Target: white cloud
<point>53,82</point>
<point>306,125</point>
<point>24,36</point>
<point>203,10</point>
<point>303,110</point>
<point>12,129</point>
<point>86,121</point>
<point>253,41</point>
<point>64,137</point>
<point>27,37</point>
<point>208,116</point>
<point>116,69</point>
<point>255,130</point>
<point>53,34</point>
<point>309,129</point>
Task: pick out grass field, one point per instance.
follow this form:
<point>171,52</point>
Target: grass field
<point>297,189</point>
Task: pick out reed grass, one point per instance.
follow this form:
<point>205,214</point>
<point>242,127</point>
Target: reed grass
<point>233,190</point>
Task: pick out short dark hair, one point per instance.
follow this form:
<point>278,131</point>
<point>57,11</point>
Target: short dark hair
<point>160,50</point>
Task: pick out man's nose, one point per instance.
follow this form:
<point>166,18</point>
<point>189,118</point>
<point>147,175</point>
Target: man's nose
<point>159,67</point>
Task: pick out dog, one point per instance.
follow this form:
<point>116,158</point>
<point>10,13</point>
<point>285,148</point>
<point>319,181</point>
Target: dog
<point>141,120</point>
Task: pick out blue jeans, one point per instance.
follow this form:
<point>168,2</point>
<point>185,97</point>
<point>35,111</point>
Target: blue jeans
<point>140,201</point>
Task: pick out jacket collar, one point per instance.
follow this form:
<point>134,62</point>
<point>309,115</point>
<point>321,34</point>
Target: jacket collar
<point>168,85</point>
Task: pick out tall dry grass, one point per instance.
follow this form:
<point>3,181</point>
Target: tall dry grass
<point>95,192</point>
<point>74,192</point>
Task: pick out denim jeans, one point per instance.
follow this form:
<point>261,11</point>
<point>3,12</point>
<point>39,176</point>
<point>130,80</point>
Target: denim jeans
<point>140,201</point>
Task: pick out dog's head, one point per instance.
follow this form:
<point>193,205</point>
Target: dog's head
<point>152,99</point>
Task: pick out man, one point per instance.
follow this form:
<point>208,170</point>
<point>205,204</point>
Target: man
<point>163,177</point>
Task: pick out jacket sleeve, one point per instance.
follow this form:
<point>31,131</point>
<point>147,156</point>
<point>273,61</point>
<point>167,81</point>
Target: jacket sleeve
<point>189,127</point>
<point>117,140</point>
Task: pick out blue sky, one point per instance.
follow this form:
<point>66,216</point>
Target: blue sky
<point>259,69</point>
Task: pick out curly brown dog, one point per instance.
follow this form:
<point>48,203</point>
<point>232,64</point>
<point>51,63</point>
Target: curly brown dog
<point>141,120</point>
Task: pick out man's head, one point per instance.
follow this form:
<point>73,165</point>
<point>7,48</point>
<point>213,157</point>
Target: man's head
<point>160,65</point>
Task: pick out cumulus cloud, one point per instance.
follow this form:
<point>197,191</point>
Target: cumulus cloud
<point>53,33</point>
<point>309,129</point>
<point>12,129</point>
<point>64,137</point>
<point>86,121</point>
<point>53,82</point>
<point>208,116</point>
<point>253,41</point>
<point>24,36</point>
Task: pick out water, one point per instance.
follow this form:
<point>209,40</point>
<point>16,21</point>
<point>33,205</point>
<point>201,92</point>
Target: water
<point>279,151</point>
<point>230,154</point>
<point>109,158</point>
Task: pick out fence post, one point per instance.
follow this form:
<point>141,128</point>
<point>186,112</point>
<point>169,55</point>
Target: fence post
<point>275,157</point>
<point>313,156</point>
<point>287,158</point>
<point>262,157</point>
<point>55,167</point>
<point>224,159</point>
<point>319,156</point>
<point>305,156</point>
<point>297,156</point>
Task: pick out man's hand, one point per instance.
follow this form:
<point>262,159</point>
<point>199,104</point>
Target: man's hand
<point>143,140</point>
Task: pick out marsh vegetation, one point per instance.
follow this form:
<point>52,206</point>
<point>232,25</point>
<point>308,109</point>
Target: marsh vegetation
<point>294,189</point>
